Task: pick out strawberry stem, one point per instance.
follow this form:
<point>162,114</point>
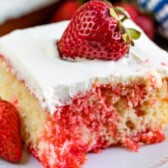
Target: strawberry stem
<point>128,34</point>
<point>114,14</point>
<point>122,11</point>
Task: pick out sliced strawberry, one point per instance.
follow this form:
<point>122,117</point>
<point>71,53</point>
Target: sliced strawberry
<point>10,140</point>
<point>9,116</point>
<point>96,32</point>
<point>10,146</point>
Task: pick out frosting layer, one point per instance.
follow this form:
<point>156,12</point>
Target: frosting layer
<point>35,59</point>
<point>15,8</point>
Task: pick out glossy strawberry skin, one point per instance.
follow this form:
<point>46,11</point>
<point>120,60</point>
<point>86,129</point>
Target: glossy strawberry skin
<point>93,34</point>
<point>10,141</point>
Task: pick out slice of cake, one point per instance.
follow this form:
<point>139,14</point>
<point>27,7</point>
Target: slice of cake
<point>70,108</point>
<point>24,13</point>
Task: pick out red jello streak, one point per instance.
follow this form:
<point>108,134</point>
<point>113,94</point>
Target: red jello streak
<point>89,124</point>
<point>33,152</point>
<point>148,137</point>
<point>88,113</point>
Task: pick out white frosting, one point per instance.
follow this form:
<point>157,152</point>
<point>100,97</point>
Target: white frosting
<point>15,8</point>
<point>33,54</point>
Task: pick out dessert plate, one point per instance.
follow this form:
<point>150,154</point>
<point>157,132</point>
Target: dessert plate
<point>151,156</point>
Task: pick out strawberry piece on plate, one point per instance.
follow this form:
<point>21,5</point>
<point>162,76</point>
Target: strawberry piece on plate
<point>10,139</point>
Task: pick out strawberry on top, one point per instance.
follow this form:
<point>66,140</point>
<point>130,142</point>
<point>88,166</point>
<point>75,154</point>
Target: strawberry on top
<point>96,31</point>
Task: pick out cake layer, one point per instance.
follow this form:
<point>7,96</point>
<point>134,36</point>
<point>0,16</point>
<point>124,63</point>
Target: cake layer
<point>107,114</point>
<point>18,8</point>
<point>34,57</point>
<point>32,115</point>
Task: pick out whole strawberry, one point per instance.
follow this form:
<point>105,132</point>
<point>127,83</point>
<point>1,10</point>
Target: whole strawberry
<point>96,31</point>
<point>10,141</point>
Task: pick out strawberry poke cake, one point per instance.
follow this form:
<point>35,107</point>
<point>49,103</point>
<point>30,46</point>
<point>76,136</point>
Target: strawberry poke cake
<point>77,94</point>
<point>24,13</point>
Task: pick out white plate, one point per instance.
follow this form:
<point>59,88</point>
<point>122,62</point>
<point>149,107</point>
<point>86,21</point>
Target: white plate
<point>151,156</point>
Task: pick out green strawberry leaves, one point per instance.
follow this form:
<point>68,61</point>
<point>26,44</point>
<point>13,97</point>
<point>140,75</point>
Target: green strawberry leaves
<point>128,34</point>
<point>133,33</point>
<point>114,14</point>
<point>123,12</point>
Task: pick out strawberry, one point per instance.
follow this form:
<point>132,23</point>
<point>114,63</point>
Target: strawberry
<point>141,19</point>
<point>66,10</point>
<point>10,141</point>
<point>96,31</point>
